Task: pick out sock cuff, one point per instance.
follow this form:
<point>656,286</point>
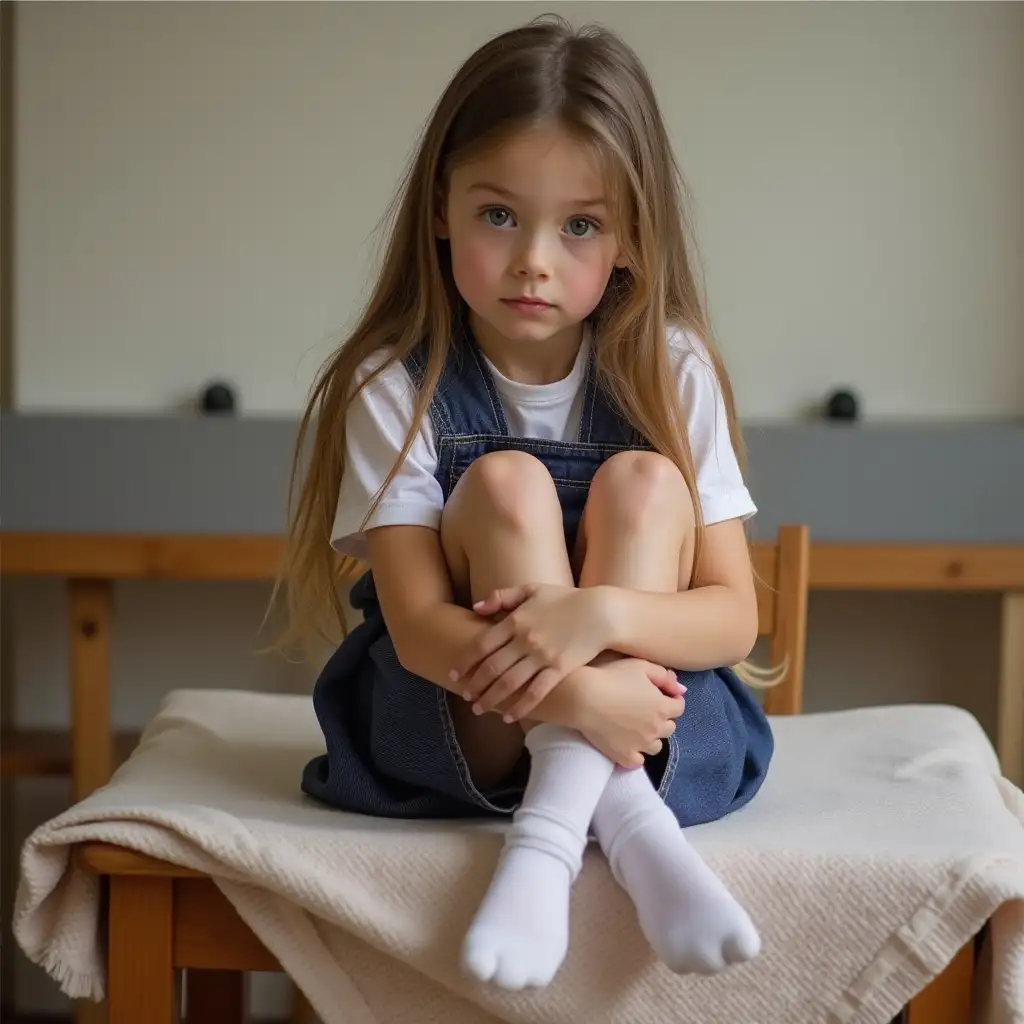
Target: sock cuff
<point>547,737</point>
<point>548,833</point>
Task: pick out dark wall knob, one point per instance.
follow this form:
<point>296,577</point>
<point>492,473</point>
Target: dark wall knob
<point>217,399</point>
<point>842,404</point>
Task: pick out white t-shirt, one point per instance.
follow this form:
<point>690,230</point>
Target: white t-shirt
<point>381,414</point>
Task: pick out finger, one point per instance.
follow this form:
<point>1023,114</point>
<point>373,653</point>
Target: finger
<point>504,599</point>
<point>545,681</point>
<point>490,605</point>
<point>509,683</point>
<point>674,707</point>
<point>672,688</point>
<point>483,647</point>
<point>665,679</point>
<point>653,748</point>
<point>668,729</point>
<point>492,669</point>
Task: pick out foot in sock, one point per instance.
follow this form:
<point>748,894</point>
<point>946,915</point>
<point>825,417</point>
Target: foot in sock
<point>520,933</point>
<point>688,916</point>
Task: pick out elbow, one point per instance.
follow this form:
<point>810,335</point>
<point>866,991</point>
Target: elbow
<point>405,651</point>
<point>404,639</point>
<point>746,631</point>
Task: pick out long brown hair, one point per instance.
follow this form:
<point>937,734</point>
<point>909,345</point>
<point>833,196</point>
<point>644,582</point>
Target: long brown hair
<point>590,83</point>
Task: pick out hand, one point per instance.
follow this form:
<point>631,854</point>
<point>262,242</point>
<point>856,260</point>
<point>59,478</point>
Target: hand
<point>549,631</point>
<point>628,707</point>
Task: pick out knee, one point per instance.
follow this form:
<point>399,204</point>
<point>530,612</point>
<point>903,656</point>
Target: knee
<point>514,487</point>
<point>634,489</point>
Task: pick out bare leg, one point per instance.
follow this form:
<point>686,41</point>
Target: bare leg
<point>638,526</point>
<point>639,518</point>
<point>502,526</point>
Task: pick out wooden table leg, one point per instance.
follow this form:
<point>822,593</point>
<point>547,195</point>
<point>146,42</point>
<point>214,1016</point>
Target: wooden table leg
<point>947,1000</point>
<point>142,984</point>
<point>91,607</point>
<point>215,997</point>
<point>90,613</point>
<point>1010,743</point>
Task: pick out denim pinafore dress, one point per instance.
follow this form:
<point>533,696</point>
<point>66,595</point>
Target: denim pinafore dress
<point>391,748</point>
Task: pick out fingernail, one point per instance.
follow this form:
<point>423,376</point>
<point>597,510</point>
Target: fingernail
<point>466,695</point>
<point>477,710</point>
<point>479,604</point>
<point>682,689</point>
<point>507,719</point>
<point>453,675</point>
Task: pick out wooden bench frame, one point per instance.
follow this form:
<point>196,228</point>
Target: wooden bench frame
<point>164,919</point>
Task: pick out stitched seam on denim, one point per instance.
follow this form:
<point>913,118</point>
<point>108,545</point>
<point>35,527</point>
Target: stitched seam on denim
<point>670,766</point>
<point>592,397</point>
<point>437,404</point>
<point>583,427</point>
<point>497,414</point>
<point>437,412</point>
<point>445,465</point>
<point>415,368</point>
<point>439,420</point>
<point>568,447</point>
<point>452,740</point>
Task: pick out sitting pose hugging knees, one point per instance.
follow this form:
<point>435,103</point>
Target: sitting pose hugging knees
<point>528,451</point>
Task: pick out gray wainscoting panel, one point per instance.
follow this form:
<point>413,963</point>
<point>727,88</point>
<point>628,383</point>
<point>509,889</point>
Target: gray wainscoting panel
<point>144,474</point>
<point>927,483</point>
<point>901,483</point>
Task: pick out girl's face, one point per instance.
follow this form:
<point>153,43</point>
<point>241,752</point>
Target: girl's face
<point>532,243</point>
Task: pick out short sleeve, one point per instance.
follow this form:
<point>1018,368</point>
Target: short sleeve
<point>378,421</point>
<point>720,485</point>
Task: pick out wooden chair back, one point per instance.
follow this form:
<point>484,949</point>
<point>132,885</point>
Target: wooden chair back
<point>783,575</point>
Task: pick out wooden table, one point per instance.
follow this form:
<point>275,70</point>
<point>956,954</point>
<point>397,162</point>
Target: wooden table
<point>93,563</point>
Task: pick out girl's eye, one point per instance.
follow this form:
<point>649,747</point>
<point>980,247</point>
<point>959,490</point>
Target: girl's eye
<point>498,217</point>
<point>580,227</point>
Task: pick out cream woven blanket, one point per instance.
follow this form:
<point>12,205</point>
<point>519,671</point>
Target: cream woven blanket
<point>882,840</point>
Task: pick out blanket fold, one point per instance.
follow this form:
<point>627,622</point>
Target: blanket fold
<point>881,842</point>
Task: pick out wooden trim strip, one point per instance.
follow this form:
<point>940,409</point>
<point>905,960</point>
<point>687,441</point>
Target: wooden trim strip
<point>30,753</point>
<point>107,859</point>
<point>965,567</point>
<point>139,556</point>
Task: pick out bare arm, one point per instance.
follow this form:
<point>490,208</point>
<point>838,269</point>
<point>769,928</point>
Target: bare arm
<point>429,631</point>
<point>709,626</point>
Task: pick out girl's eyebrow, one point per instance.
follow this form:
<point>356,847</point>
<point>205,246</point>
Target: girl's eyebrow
<point>486,186</point>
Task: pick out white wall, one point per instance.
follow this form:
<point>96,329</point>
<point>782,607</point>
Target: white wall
<point>198,184</point>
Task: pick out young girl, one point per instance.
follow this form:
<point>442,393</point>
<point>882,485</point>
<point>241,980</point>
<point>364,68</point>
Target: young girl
<point>531,441</point>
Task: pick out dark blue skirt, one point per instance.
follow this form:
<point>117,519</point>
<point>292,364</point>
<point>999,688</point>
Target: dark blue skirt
<point>391,748</point>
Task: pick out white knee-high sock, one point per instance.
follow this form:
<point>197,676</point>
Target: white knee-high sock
<point>521,931</point>
<point>688,916</point>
